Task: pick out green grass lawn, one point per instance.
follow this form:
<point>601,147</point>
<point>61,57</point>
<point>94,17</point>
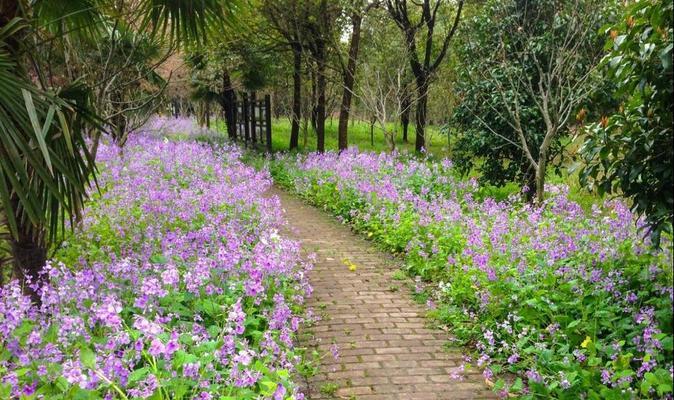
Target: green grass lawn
<point>359,136</point>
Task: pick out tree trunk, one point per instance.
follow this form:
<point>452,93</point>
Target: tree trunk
<point>405,106</point>
<point>540,175</point>
<point>349,79</point>
<point>228,103</point>
<point>391,137</point>
<point>29,255</point>
<point>118,130</point>
<point>422,93</point>
<point>29,260</point>
<point>314,100</point>
<point>320,105</point>
<point>297,97</point>
<point>372,121</point>
<point>207,112</point>
<point>530,180</point>
<point>305,132</point>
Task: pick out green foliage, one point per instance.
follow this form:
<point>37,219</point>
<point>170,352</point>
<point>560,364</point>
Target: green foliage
<point>44,162</point>
<point>200,327</point>
<point>329,389</point>
<point>46,102</point>
<point>479,123</point>
<point>630,152</point>
<point>188,21</point>
<point>505,51</point>
<point>564,293</point>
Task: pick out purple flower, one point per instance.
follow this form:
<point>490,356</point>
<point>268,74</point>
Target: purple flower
<point>145,388</point>
<point>605,376</point>
<point>236,318</point>
<point>457,373</point>
<point>533,376</point>
<point>579,355</point>
<point>564,383</point>
<point>157,348</point>
<point>72,372</point>
<point>280,392</point>
<point>191,370</point>
<point>334,349</point>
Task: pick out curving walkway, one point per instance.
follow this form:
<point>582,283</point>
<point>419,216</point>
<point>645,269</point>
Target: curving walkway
<point>386,350</point>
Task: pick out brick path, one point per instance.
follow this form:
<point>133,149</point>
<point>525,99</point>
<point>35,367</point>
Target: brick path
<point>386,350</point>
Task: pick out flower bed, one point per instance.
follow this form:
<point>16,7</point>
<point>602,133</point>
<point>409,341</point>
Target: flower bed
<point>568,303</point>
<point>177,285</point>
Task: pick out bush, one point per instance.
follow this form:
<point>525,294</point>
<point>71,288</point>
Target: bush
<point>630,152</point>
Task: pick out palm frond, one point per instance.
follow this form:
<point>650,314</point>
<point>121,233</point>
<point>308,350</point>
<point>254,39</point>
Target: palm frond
<point>190,20</point>
<point>45,168</point>
<point>80,18</point>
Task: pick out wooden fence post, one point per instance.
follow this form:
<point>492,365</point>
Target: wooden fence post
<point>253,118</point>
<point>245,110</point>
<point>235,122</point>
<point>267,106</point>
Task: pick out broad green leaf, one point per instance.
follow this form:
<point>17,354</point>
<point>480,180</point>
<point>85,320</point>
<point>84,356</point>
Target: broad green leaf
<point>39,132</point>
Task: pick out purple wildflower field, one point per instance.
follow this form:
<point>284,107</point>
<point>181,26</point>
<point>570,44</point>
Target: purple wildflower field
<point>555,301</point>
<point>176,284</point>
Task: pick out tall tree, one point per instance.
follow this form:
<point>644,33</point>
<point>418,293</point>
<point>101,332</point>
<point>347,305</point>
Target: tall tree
<point>424,59</point>
<point>530,66</point>
<point>382,91</point>
<point>406,106</point>
<point>287,18</point>
<point>319,28</point>
<point>349,70</point>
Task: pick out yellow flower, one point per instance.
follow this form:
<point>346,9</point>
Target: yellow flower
<point>352,266</point>
<point>586,342</point>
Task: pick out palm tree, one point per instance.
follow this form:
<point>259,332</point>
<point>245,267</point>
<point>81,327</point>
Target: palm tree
<point>46,168</point>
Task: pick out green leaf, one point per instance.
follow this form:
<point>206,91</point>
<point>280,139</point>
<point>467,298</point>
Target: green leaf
<point>88,357</point>
<point>499,385</point>
<point>517,386</point>
<point>137,375</point>
<point>158,259</point>
<point>663,388</point>
<point>23,329</point>
<point>666,57</point>
<point>268,387</point>
<point>40,133</point>
<point>66,131</point>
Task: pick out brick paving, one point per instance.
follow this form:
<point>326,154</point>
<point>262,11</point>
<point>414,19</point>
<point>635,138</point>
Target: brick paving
<point>386,348</point>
